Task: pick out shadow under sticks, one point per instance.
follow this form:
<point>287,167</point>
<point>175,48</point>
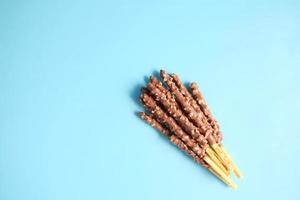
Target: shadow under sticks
<point>187,86</point>
<point>135,93</point>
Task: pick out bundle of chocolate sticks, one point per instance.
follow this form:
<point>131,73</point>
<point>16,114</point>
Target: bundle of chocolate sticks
<point>182,115</point>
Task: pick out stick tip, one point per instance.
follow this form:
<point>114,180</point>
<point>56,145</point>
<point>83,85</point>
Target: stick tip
<point>233,186</point>
<point>237,173</point>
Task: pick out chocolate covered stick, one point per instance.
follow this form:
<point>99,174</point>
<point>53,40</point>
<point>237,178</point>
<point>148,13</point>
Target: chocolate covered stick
<point>215,136</point>
<point>217,133</point>
<point>185,92</point>
<point>216,130</point>
<point>204,108</point>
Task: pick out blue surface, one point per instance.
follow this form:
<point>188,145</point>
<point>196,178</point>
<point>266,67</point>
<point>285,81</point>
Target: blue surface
<point>70,73</point>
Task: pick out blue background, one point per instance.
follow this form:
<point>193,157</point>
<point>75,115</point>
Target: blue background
<point>70,73</point>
